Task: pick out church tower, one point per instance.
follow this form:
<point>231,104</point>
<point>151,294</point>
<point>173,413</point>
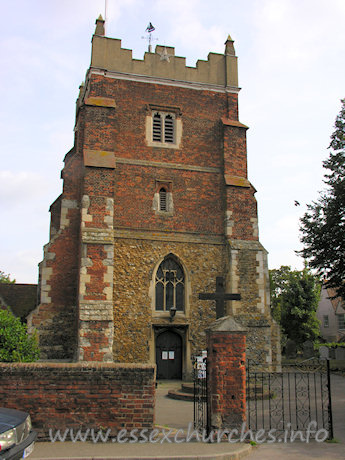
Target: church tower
<point>156,204</point>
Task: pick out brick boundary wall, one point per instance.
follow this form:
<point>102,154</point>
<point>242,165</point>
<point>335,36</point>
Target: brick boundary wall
<point>81,395</point>
<point>226,374</point>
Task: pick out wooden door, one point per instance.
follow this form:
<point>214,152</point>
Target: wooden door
<point>169,356</point>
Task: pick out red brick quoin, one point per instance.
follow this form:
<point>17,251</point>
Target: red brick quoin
<point>226,374</point>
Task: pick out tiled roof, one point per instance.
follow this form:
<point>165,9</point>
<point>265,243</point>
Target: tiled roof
<point>21,298</point>
<point>335,301</point>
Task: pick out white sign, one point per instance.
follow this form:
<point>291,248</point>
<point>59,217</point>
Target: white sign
<point>164,355</point>
<point>201,365</point>
<point>171,355</point>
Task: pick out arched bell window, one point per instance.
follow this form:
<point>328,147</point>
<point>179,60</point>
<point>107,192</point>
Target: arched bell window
<point>163,199</point>
<point>163,127</point>
<point>157,127</point>
<point>170,285</point>
<point>169,131</point>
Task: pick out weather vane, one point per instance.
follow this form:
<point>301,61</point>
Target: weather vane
<point>149,29</point>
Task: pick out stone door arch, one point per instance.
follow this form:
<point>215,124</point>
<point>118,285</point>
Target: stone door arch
<point>169,355</point>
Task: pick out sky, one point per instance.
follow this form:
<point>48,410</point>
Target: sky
<point>291,71</point>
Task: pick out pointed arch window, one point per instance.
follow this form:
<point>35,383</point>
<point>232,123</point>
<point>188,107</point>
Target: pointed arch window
<point>163,203</point>
<point>170,285</point>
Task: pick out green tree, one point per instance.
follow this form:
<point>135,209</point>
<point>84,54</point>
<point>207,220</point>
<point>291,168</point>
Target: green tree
<point>294,299</point>
<point>6,278</point>
<point>279,280</point>
<point>15,343</point>
<point>323,225</point>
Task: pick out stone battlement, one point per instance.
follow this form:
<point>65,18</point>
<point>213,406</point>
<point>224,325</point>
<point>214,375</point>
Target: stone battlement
<point>219,69</point>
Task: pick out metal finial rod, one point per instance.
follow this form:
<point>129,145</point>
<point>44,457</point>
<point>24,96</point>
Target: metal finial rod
<point>149,29</point>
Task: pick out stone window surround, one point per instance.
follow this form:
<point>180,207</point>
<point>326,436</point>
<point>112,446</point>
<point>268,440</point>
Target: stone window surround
<point>175,112</point>
<point>187,292</point>
<point>167,185</point>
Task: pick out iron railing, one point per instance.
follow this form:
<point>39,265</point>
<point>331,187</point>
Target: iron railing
<point>290,399</point>
<point>201,418</point>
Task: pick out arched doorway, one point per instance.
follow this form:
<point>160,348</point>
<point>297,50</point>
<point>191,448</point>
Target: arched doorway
<point>169,355</point>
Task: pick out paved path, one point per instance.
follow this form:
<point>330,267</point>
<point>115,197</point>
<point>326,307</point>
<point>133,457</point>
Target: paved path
<point>171,412</point>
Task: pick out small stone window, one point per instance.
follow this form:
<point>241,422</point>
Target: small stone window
<point>163,204</point>
<point>163,126</point>
<point>170,285</point>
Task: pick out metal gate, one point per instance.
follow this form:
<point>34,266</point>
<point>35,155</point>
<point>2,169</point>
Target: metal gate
<point>290,400</point>
<point>200,395</point>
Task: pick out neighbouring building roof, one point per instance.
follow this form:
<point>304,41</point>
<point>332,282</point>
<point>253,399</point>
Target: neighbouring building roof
<point>328,309</point>
<point>335,301</point>
<point>20,299</point>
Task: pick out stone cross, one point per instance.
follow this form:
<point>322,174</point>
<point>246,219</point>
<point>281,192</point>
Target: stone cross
<point>324,352</point>
<point>308,349</point>
<point>219,296</point>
